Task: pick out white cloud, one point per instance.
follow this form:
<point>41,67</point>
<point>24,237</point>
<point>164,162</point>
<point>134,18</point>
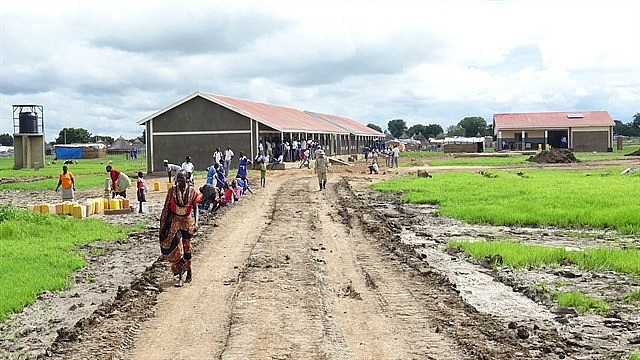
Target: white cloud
<point>103,65</point>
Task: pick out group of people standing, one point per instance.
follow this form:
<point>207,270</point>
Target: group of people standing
<point>391,154</point>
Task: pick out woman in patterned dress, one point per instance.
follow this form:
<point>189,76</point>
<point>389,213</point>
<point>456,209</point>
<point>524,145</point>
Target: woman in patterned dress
<point>178,224</point>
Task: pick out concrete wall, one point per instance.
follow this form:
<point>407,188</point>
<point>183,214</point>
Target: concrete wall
<point>195,128</point>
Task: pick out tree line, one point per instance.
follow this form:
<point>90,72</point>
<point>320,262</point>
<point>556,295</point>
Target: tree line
<point>469,126</point>
<point>477,126</point>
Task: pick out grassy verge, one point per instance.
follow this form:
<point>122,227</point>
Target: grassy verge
<point>438,158</point>
<point>533,197</point>
<point>38,252</point>
<point>581,302</point>
<point>522,256</point>
<point>88,173</point>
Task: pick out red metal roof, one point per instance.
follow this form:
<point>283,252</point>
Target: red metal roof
<point>281,118</point>
<point>352,126</point>
<point>552,120</point>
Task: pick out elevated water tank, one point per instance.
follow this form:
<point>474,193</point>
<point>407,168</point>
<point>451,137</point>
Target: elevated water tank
<point>28,123</point>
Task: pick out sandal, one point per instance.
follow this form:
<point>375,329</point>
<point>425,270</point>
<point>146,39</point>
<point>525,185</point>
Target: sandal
<point>187,279</point>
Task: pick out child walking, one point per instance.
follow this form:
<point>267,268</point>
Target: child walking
<point>263,173</point>
<point>142,190</point>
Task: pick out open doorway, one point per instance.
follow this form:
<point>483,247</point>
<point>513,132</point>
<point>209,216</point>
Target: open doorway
<point>558,139</point>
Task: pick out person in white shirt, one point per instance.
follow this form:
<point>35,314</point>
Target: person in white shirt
<point>171,169</point>
<point>228,155</point>
<point>396,156</point>
<point>217,156</point>
<point>187,166</point>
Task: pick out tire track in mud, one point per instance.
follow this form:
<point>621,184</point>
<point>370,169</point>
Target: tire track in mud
<point>313,288</point>
<point>479,335</point>
<point>396,325</point>
<point>280,307</point>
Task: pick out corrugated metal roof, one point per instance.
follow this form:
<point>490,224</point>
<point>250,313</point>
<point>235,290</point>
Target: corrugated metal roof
<point>552,119</point>
<point>281,118</point>
<point>352,126</point>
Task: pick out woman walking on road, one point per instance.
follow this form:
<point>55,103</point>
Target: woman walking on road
<point>178,224</point>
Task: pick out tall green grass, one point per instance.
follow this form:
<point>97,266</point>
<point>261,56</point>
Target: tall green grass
<point>39,252</point>
<point>522,256</point>
<point>531,197</point>
<point>581,302</point>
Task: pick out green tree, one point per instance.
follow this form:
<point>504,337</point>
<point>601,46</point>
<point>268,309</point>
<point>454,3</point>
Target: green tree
<point>433,130</point>
<point>455,130</point>
<point>636,121</point>
<point>143,138</point>
<point>374,127</point>
<point>623,129</point>
<point>105,139</point>
<point>397,127</point>
<point>473,126</point>
<point>6,140</point>
<point>73,136</point>
<point>416,129</point>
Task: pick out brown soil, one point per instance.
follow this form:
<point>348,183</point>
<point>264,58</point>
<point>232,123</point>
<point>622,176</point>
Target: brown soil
<point>291,272</point>
<point>554,156</point>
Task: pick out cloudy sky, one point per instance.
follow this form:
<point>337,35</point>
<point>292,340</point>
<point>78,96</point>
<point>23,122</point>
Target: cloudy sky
<point>104,65</point>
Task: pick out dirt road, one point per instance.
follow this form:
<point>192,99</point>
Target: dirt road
<point>291,272</point>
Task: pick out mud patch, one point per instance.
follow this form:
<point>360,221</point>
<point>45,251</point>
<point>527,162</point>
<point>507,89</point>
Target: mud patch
<point>523,297</point>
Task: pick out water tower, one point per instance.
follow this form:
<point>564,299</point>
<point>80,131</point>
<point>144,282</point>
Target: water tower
<point>28,141</point>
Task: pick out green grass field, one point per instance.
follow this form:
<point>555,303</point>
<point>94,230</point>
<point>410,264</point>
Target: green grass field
<point>565,198</point>
<point>39,252</point>
<point>438,158</point>
<point>89,173</point>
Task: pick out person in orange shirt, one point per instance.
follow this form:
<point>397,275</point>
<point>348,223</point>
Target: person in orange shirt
<point>68,183</point>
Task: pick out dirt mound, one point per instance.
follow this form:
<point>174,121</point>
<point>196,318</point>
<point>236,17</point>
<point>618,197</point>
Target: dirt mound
<point>554,156</point>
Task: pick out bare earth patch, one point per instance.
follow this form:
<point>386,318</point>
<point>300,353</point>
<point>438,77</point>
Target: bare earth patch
<point>292,272</point>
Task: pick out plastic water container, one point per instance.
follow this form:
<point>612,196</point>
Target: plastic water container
<point>156,185</point>
<point>79,211</point>
<point>114,204</point>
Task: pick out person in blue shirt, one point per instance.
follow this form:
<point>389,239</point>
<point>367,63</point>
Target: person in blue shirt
<point>211,174</point>
<point>219,176</point>
<point>243,161</point>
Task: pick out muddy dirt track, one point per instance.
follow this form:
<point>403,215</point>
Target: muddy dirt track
<point>291,272</point>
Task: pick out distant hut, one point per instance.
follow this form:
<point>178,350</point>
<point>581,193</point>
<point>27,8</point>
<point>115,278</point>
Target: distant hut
<point>119,146</point>
<point>138,146</point>
<point>388,136</point>
<point>421,138</point>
